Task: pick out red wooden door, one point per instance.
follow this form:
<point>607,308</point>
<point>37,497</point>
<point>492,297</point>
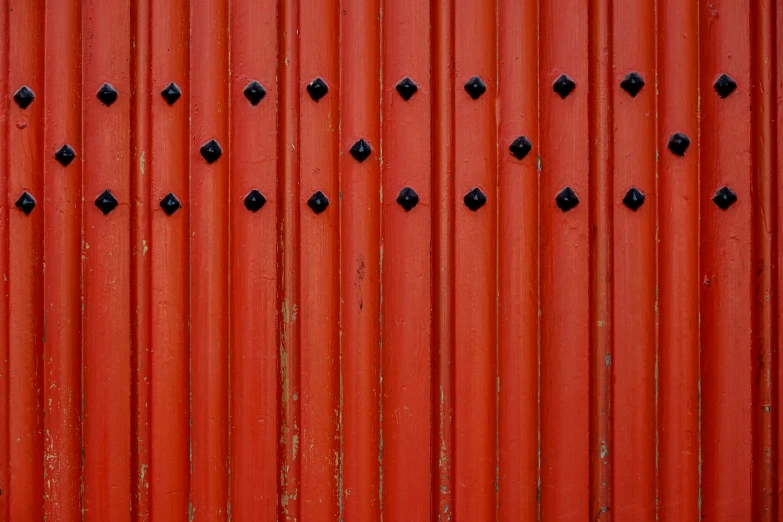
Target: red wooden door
<point>399,260</point>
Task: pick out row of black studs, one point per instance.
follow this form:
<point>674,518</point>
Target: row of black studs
<point>211,151</point>
<point>475,87</point>
<point>566,199</point>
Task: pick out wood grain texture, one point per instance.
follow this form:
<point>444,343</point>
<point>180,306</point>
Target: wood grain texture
<point>592,336</point>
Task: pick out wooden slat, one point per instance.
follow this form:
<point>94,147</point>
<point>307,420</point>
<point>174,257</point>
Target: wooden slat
<point>764,136</point>
<point>253,439</point>
<point>442,259</point>
<point>565,274</point>
<point>62,210</point>
<point>725,255</point>
<point>140,210</point>
<point>5,334</point>
<point>518,291</point>
<point>209,259</point>
<point>360,274</point>
<point>407,399</point>
<point>318,308</point>
<point>678,257</point>
<point>167,246</point>
<point>106,322</point>
<point>475,299</point>
<point>634,267</point>
<point>25,255</point>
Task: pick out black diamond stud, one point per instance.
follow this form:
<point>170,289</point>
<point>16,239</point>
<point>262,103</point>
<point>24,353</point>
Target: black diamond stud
<point>171,93</point>
<point>106,202</point>
<point>724,198</point>
<point>566,199</point>
<point>254,201</point>
<point>107,94</point>
<point>678,143</point>
<point>407,199</point>
<point>407,88</point>
<point>563,86</point>
<point>475,87</point>
<point>254,92</point>
<point>24,97</point>
<point>361,150</point>
<point>725,85</point>
<point>170,204</point>
<point>65,155</point>
<point>211,151</point>
<point>317,89</point>
<point>632,83</point>
<point>520,147</point>
<point>475,199</point>
<point>25,203</point>
<point>633,199</point>
<point>318,202</point>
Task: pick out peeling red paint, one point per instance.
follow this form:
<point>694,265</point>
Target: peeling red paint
<point>391,351</point>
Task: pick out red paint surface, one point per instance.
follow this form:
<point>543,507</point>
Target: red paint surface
<point>163,169</point>
<point>208,94</point>
<point>407,406</point>
<point>254,354</point>
<point>360,277</point>
<point>564,278</point>
<point>106,261</point>
<point>633,361</point>
<point>678,257</point>
<point>368,363</point>
<point>62,354</point>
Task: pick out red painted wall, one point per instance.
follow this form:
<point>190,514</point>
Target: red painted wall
<point>400,260</point>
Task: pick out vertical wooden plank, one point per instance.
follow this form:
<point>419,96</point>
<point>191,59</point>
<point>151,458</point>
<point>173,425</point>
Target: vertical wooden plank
<point>407,410</point>
<point>678,252</point>
<point>209,105</point>
<point>253,439</point>
<point>106,262</point>
<point>167,248</point>
<point>62,257</point>
<point>763,99</point>
<point>360,214</point>
<point>776,60</point>
<point>290,98</point>
<point>565,330</point>
<point>601,217</point>
<point>726,242</point>
<point>5,203</point>
<point>318,262</point>
<point>443,259</point>
<point>474,259</point>
<point>141,236</point>
<point>25,289</point>
<point>634,203</point>
<point>518,292</point>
